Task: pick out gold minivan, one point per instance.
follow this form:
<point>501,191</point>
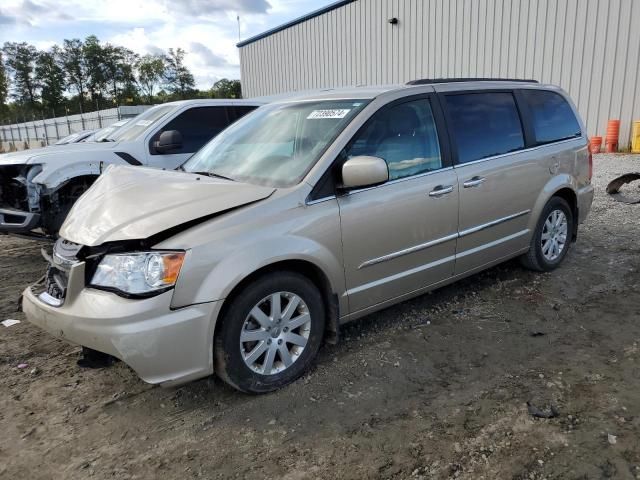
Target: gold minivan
<point>308,213</point>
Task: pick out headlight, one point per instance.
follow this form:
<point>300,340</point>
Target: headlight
<point>139,273</point>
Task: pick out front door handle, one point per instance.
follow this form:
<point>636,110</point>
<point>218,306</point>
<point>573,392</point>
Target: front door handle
<point>441,190</point>
<point>474,182</point>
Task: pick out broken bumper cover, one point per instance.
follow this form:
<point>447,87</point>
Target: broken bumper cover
<point>163,346</point>
<point>17,221</point>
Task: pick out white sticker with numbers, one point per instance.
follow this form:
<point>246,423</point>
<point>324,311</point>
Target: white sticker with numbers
<point>335,113</point>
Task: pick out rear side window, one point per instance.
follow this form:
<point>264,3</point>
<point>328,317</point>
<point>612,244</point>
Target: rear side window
<point>553,119</point>
<point>484,124</point>
<point>197,126</point>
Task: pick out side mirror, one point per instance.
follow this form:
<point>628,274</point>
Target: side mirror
<point>168,141</point>
<point>364,171</point>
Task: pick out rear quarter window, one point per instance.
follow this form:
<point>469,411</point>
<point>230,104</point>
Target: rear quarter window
<point>551,115</point>
<point>484,124</point>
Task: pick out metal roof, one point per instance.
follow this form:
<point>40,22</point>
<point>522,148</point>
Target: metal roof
<point>304,18</point>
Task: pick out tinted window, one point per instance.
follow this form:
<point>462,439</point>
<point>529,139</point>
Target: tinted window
<point>242,110</point>
<point>553,119</point>
<point>484,124</point>
<point>197,126</point>
<point>404,136</point>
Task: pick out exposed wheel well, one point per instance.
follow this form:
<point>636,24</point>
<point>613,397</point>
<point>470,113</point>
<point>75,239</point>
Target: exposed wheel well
<point>76,181</point>
<point>570,197</point>
<point>307,269</point>
<point>57,203</point>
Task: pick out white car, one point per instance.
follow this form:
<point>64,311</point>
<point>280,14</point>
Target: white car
<point>104,133</point>
<point>38,187</point>
<point>75,137</point>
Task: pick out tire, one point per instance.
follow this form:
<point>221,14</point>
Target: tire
<point>246,337</point>
<point>541,257</point>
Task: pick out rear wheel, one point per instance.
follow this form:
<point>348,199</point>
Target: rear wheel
<point>552,237</point>
<point>270,334</point>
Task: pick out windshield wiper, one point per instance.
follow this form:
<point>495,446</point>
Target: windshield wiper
<point>214,175</point>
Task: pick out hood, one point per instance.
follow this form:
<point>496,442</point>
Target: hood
<point>36,155</point>
<point>132,203</point>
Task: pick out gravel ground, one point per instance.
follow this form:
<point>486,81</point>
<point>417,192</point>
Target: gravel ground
<point>433,388</point>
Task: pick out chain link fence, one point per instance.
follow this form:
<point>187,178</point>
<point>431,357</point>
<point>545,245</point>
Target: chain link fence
<point>40,133</point>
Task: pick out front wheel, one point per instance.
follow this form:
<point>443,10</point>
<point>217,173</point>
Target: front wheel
<point>551,238</point>
<point>270,333</point>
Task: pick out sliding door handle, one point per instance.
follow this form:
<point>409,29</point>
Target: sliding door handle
<point>474,182</point>
<point>441,190</point>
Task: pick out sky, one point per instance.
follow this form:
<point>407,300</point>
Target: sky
<point>206,29</point>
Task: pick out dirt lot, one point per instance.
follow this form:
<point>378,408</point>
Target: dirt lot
<point>433,388</point>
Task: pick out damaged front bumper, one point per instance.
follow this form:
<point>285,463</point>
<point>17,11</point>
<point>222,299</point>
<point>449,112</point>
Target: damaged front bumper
<point>19,199</point>
<point>163,345</point>
<point>16,221</point>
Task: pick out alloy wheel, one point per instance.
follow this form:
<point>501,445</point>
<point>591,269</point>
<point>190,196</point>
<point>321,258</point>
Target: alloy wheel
<point>554,235</point>
<point>275,333</point>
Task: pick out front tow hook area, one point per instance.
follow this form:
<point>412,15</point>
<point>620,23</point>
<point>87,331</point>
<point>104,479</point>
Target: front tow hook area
<point>91,358</point>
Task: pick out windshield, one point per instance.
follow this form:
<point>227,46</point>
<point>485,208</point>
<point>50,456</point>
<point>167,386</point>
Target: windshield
<point>105,133</point>
<point>276,144</point>
<point>141,123</point>
<point>67,139</point>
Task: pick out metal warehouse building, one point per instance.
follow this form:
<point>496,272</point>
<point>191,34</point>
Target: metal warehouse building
<point>589,47</point>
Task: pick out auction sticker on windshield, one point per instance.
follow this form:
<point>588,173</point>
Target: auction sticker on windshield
<point>334,113</point>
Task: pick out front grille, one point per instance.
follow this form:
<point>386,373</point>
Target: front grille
<point>55,283</point>
<point>13,193</point>
<point>53,288</point>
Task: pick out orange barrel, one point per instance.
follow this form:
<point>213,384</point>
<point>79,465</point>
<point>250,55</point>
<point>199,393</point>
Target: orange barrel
<point>595,144</point>
<point>613,132</point>
<point>635,137</point>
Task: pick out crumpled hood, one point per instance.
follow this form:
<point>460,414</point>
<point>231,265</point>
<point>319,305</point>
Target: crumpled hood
<point>131,203</point>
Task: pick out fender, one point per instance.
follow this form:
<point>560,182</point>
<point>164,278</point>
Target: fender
<point>554,185</point>
<point>55,175</point>
<point>232,269</point>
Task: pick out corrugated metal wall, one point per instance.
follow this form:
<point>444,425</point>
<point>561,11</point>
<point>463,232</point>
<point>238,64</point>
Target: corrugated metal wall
<point>589,47</point>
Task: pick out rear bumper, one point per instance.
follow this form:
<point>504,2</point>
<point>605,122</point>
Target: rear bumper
<point>585,199</point>
<point>17,221</point>
<point>162,345</point>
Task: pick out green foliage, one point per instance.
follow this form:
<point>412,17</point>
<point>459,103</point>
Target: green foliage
<point>151,71</point>
<point>83,75</point>
<point>20,59</point>
<point>75,66</point>
<point>4,84</point>
<point>50,77</point>
<point>225,88</point>
<point>179,80</point>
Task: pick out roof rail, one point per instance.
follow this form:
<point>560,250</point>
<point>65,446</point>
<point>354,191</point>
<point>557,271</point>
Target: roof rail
<point>426,81</point>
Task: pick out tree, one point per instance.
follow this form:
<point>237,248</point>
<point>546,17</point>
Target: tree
<point>20,61</point>
<point>178,78</point>
<point>150,74</point>
<point>119,63</point>
<point>4,87</point>
<point>50,76</point>
<point>75,66</point>
<point>95,56</point>
<point>225,88</point>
